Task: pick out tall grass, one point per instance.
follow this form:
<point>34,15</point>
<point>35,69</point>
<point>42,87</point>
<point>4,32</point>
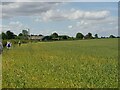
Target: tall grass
<point>64,64</point>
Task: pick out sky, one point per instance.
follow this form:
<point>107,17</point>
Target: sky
<point>65,18</point>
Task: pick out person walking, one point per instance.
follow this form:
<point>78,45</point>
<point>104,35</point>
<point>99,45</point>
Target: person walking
<point>19,43</point>
<point>8,45</point>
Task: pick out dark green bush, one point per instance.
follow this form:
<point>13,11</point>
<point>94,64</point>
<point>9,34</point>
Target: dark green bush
<point>4,42</point>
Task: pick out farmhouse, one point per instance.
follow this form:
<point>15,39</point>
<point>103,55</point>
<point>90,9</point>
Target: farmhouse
<point>36,37</point>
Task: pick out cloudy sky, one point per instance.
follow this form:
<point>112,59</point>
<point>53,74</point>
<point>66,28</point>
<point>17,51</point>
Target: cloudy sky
<point>61,17</point>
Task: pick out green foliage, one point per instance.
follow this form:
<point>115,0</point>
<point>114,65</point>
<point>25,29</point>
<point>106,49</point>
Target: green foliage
<point>54,35</point>
<point>25,41</point>
<point>4,36</point>
<point>79,36</point>
<point>4,42</point>
<point>96,36</point>
<point>25,36</point>
<point>89,36</point>
<point>24,32</point>
<point>47,38</point>
<point>64,64</point>
<point>112,36</point>
<point>20,34</point>
<point>63,37</point>
<point>14,42</point>
<point>10,35</point>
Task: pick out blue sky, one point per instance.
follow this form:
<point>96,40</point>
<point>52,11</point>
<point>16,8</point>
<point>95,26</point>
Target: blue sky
<point>63,18</point>
<point>60,0</point>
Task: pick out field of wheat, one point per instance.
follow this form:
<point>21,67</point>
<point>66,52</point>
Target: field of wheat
<point>62,64</point>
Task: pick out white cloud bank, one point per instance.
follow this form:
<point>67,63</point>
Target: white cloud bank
<point>73,15</point>
<point>47,11</point>
<point>13,9</point>
<point>103,27</point>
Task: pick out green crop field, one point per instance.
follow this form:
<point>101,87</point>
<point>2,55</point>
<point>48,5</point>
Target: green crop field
<point>62,64</point>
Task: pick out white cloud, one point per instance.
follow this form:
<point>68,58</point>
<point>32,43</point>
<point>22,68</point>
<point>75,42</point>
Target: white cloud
<point>70,26</point>
<point>47,11</point>
<point>13,9</point>
<point>53,15</point>
<point>82,22</point>
<point>17,23</point>
<point>105,26</point>
<point>75,14</point>
<point>96,14</point>
<point>59,15</point>
<point>80,14</point>
<point>14,26</point>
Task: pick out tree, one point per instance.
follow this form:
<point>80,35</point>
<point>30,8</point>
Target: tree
<point>111,36</point>
<point>4,36</point>
<point>79,36</point>
<point>89,36</point>
<point>47,38</point>
<point>24,32</point>
<point>20,34</point>
<point>54,35</point>
<point>63,37</point>
<point>10,35</point>
<point>96,35</point>
<point>40,35</point>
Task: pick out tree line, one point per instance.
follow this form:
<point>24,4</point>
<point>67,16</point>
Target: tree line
<point>54,36</point>
<point>10,35</point>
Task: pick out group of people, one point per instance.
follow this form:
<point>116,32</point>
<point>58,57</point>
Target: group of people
<point>8,45</point>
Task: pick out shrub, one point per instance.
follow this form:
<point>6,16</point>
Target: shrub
<point>4,42</point>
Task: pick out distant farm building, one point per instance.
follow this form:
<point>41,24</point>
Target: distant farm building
<point>36,37</point>
<point>47,38</point>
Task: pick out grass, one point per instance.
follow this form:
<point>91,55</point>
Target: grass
<point>63,64</point>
